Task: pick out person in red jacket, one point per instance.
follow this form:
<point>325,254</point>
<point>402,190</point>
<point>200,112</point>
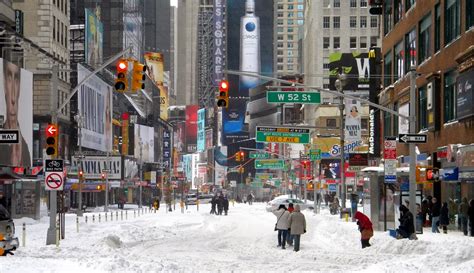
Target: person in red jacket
<point>365,227</point>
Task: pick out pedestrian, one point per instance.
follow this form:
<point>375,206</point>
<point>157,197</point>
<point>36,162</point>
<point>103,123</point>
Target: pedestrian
<point>297,226</point>
<point>282,224</point>
<point>213,204</point>
<point>435,212</point>
<point>220,204</point>
<point>250,198</point>
<point>290,237</point>
<point>226,204</point>
<point>463,215</point>
<point>365,228</point>
<point>424,212</point>
<point>444,217</point>
<point>470,214</point>
<point>407,227</point>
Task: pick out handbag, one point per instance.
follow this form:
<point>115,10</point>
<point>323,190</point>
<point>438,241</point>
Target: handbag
<point>277,221</point>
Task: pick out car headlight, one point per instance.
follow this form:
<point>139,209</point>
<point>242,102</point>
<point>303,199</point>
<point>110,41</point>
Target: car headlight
<point>9,231</point>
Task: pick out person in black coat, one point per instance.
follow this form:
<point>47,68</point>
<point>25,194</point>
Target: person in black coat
<point>406,228</point>
<point>435,212</point>
<point>213,204</point>
<point>220,204</point>
<point>226,205</point>
<point>470,213</point>
<point>444,217</point>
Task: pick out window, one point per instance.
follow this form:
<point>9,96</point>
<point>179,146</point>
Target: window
<point>399,69</point>
<point>279,52</point>
<point>437,42</point>
<point>300,22</point>
<point>353,4</point>
<point>363,42</point>
<point>300,7</point>
<point>452,20</point>
<point>364,123</point>
<point>291,7</point>
<point>469,14</point>
<point>291,14</point>
<point>449,96</point>
<point>280,14</point>
<point>290,52</point>
<point>279,37</point>
<point>331,122</point>
<point>290,67</point>
<point>326,85</point>
<point>326,4</point>
<point>336,21</point>
<point>353,21</point>
<point>387,124</point>
<point>326,42</point>
<point>397,11</point>
<point>409,4</point>
<point>280,7</point>
<point>290,37</point>
<point>353,42</point>
<point>280,22</point>
<point>57,30</point>
<point>422,113</point>
<point>373,41</point>
<point>279,67</point>
<point>387,18</point>
<point>325,66</point>
<point>54,27</point>
<point>279,60</point>
<point>279,29</point>
<point>424,49</point>
<point>337,3</point>
<point>336,42</point>
<point>363,3</point>
<point>325,63</point>
<point>290,60</point>
<point>326,21</point>
<point>290,29</point>
<point>373,22</point>
<point>279,45</point>
<point>289,45</point>
<point>410,49</point>
<point>291,22</point>
<point>363,21</point>
<point>300,14</point>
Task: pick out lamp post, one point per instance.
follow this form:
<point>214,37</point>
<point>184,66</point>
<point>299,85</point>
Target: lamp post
<point>80,120</point>
<point>340,83</point>
<point>141,173</point>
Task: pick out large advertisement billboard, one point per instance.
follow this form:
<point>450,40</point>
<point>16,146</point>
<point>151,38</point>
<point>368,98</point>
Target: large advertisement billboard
<point>355,65</point>
<point>16,107</point>
<point>331,146</point>
<point>94,37</point>
<point>219,52</point>
<point>201,127</point>
<point>95,106</point>
<point>155,67</point>
<point>465,97</point>
<point>191,128</point>
<point>144,143</point>
<point>249,48</point>
<point>352,121</point>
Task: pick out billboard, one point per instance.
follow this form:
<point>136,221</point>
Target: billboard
<point>166,149</point>
<point>219,56</point>
<point>201,127</point>
<point>144,145</point>
<point>352,125</point>
<point>155,66</point>
<point>94,99</point>
<point>93,166</point>
<point>465,97</point>
<point>355,65</point>
<point>330,146</point>
<point>191,128</point>
<point>249,48</point>
<point>330,169</point>
<point>16,88</point>
<point>94,37</point>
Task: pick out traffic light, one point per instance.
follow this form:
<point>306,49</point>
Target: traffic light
<point>223,98</point>
<point>80,174</point>
<point>138,76</point>
<point>102,176</point>
<point>241,169</point>
<point>242,155</point>
<point>305,164</point>
<point>310,186</point>
<point>52,140</point>
<point>237,157</point>
<point>121,82</point>
<point>376,7</point>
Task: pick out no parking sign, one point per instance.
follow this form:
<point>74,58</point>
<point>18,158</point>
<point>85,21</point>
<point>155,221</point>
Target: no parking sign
<point>53,178</point>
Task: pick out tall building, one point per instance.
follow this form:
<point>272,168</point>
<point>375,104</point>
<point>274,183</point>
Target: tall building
<point>436,38</point>
<point>289,20</point>
<point>157,28</point>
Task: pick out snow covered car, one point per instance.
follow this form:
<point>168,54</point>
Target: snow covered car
<point>8,243</point>
<point>285,200</point>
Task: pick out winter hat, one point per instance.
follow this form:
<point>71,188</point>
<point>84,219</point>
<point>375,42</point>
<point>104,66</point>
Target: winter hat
<point>297,208</point>
<point>282,207</point>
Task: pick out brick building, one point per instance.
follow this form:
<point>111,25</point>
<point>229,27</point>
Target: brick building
<point>436,37</point>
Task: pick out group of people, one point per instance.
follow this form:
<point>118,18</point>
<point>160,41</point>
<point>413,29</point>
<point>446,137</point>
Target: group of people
<point>290,224</point>
<point>221,202</point>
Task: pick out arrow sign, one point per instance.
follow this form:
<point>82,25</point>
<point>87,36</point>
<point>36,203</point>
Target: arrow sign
<point>414,138</point>
<point>9,136</point>
<point>51,130</point>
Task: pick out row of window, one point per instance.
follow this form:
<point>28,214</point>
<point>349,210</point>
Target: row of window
<point>290,7</point>
<point>290,14</point>
<point>289,67</point>
<point>416,47</point>
<point>60,32</point>
<point>61,5</point>
<point>352,42</point>
<point>290,22</point>
<point>288,29</point>
<point>352,22</point>
<point>337,3</point>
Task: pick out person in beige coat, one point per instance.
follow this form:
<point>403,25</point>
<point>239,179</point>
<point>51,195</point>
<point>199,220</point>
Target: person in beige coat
<point>282,224</point>
<point>297,223</point>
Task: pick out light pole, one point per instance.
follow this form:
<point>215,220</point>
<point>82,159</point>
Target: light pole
<point>141,173</point>
<point>79,119</point>
<point>340,83</point>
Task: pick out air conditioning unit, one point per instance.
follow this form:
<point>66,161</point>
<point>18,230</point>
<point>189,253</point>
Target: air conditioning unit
<point>429,96</point>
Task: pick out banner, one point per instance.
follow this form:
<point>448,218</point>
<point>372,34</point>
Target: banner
<point>219,44</point>
<point>16,107</point>
<point>330,146</point>
<point>155,67</point>
<point>94,100</point>
<point>191,128</point>
<point>93,166</point>
<point>201,126</point>
<point>465,97</point>
<point>144,143</point>
<point>404,124</point>
<point>94,37</point>
<point>166,149</point>
<point>353,120</point>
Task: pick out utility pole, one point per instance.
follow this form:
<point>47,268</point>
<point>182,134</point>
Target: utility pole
<point>80,121</point>
<point>412,147</point>
<point>107,171</point>
<point>340,83</point>
<point>141,174</point>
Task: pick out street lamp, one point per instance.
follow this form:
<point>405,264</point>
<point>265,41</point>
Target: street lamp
<point>339,84</point>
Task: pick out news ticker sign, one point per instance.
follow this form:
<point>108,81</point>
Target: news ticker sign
<point>282,135</point>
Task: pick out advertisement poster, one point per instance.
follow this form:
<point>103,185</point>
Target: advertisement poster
<point>249,48</point>
<point>191,128</point>
<point>330,146</point>
<point>330,169</point>
<point>201,127</point>
<point>16,107</point>
<point>465,97</point>
<point>166,149</point>
<point>93,166</point>
<point>155,67</point>
<point>94,100</point>
<point>355,65</point>
<point>352,120</point>
<point>144,143</point>
<point>94,37</point>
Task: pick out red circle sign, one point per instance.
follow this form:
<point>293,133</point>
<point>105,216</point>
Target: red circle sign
<point>54,181</point>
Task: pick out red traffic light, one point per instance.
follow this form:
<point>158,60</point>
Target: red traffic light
<point>242,154</point>
<point>81,173</point>
<point>103,175</point>
<point>51,130</point>
<point>224,85</point>
<point>122,65</point>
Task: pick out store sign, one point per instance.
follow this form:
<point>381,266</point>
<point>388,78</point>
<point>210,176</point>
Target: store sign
<point>358,159</point>
<point>93,166</point>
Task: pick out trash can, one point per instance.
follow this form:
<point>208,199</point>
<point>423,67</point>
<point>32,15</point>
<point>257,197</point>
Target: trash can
<point>344,212</point>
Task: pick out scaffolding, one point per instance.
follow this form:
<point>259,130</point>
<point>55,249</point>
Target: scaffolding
<point>206,88</point>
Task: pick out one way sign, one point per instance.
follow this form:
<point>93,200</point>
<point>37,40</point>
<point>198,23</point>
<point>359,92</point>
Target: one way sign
<point>9,136</point>
<point>407,138</point>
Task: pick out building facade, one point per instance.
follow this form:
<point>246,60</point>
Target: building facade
<point>435,38</point>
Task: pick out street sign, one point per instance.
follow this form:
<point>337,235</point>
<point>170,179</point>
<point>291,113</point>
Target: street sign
<point>54,181</point>
<point>412,138</point>
<point>315,154</point>
<point>282,135</point>
<point>259,155</point>
<point>390,171</point>
<point>293,97</point>
<point>53,165</point>
<point>274,164</point>
<point>9,136</point>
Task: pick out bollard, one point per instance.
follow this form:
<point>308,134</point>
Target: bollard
<point>116,215</point>
<point>86,219</point>
<point>155,210</point>
<point>133,213</point>
<point>57,233</point>
<point>197,205</point>
<point>121,215</point>
<point>99,217</point>
<point>24,235</point>
<point>126,215</point>
<point>77,224</point>
<point>347,217</point>
<point>93,219</point>
<point>111,216</point>
<point>106,216</point>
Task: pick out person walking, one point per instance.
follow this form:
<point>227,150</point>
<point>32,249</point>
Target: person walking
<point>290,237</point>
<point>435,212</point>
<point>463,215</point>
<point>297,226</point>
<point>250,198</point>
<point>226,205</point>
<point>444,217</point>
<point>365,228</point>
<point>470,213</point>
<point>282,224</point>
<point>406,228</point>
<point>220,204</point>
<point>213,204</point>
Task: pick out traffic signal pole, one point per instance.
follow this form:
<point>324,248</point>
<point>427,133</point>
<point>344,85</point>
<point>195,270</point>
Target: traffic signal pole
<point>412,147</point>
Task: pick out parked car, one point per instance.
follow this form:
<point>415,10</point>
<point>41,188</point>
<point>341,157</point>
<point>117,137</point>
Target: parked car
<point>8,243</point>
<point>191,199</point>
<point>285,199</point>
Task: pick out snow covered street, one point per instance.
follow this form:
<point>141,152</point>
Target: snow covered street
<point>242,241</point>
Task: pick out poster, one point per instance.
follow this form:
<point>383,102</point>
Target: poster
<point>155,66</point>
<point>352,126</point>
<point>465,97</point>
<point>94,37</point>
<point>191,128</point>
<point>201,126</point>
<point>144,143</point>
<point>355,65</point>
